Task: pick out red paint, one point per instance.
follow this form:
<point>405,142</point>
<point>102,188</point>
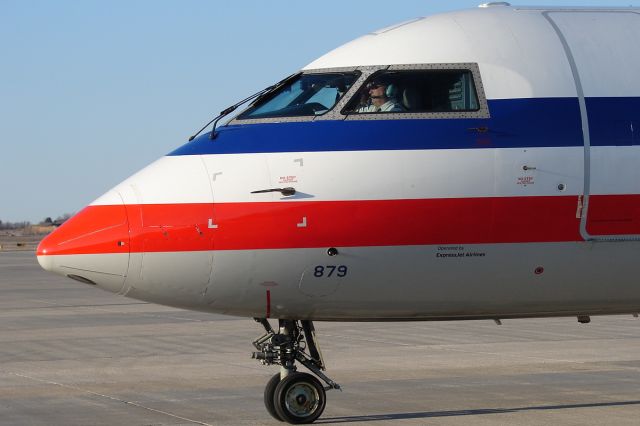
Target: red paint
<point>170,227</point>
<point>268,304</point>
<point>102,229</point>
<point>613,215</point>
<point>273,225</point>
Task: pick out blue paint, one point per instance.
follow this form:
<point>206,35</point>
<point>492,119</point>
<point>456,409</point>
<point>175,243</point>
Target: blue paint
<point>614,121</point>
<point>514,123</point>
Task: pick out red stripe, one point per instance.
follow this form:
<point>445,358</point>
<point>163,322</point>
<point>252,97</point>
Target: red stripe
<point>613,215</point>
<point>268,304</point>
<point>170,227</point>
<point>395,222</point>
<point>95,229</point>
<point>275,225</point>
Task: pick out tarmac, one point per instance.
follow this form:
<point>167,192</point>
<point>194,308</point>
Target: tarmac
<point>71,354</point>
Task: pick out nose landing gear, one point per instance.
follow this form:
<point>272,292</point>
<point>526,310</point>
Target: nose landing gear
<point>299,398</point>
<point>291,396</point>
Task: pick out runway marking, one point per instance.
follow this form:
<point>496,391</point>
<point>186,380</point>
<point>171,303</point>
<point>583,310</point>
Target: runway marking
<point>113,398</point>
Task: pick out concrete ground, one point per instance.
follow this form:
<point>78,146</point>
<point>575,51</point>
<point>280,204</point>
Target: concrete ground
<point>22,239</point>
<point>71,354</point>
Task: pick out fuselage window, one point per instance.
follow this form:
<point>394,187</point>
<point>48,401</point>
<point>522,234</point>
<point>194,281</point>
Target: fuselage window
<point>416,91</point>
<point>306,95</point>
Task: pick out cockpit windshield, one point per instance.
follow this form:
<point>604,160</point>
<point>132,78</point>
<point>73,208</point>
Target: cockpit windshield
<point>306,95</point>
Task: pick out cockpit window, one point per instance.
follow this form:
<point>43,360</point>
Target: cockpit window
<point>416,91</point>
<point>306,95</point>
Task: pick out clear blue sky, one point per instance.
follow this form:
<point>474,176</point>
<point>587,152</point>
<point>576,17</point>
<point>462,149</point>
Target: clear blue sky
<point>92,91</point>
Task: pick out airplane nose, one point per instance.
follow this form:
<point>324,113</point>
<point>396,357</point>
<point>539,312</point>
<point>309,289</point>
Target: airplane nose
<point>91,247</point>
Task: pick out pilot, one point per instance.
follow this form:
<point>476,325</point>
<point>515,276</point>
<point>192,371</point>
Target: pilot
<point>381,97</point>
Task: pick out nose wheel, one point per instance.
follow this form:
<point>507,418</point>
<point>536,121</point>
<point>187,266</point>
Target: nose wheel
<point>290,396</point>
<point>299,398</point>
<point>269,396</point>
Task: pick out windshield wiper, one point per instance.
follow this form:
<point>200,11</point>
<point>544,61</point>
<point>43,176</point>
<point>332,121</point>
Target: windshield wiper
<point>259,95</point>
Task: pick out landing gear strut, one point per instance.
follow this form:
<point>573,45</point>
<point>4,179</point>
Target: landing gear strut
<point>291,396</point>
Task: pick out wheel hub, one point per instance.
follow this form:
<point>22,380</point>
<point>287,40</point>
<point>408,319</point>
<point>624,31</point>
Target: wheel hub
<point>302,399</point>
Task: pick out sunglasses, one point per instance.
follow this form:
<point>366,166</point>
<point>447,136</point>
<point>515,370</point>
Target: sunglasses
<point>374,85</point>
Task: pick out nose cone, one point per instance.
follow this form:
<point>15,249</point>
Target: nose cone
<point>92,246</point>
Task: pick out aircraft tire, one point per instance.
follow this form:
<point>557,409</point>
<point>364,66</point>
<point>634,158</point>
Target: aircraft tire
<point>299,398</point>
<point>269,396</point>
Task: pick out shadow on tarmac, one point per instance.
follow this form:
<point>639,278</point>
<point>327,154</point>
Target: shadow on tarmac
<point>432,414</point>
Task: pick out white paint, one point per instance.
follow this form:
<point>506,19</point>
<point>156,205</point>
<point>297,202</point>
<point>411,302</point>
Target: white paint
<point>615,170</point>
<point>518,52</point>
<point>504,281</point>
<point>367,175</point>
<point>181,179</point>
<point>607,53</point>
<point>372,175</point>
<point>108,271</point>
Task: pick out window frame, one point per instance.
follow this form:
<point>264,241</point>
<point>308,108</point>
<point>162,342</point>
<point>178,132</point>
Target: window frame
<point>302,118</point>
<point>481,112</point>
<point>338,113</point>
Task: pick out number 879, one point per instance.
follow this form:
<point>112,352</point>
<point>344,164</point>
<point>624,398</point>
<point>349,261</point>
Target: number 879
<point>329,270</point>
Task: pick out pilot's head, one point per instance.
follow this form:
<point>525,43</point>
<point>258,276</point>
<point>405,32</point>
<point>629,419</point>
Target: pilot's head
<point>378,89</point>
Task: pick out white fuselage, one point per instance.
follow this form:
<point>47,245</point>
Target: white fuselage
<point>530,207</point>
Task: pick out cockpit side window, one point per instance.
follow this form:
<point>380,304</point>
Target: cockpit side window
<point>416,91</point>
<point>307,95</point>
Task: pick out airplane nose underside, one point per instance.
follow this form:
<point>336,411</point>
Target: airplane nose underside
<point>91,247</point>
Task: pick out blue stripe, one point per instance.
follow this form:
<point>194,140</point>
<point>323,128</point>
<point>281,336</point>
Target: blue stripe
<point>614,121</point>
<point>514,123</point>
